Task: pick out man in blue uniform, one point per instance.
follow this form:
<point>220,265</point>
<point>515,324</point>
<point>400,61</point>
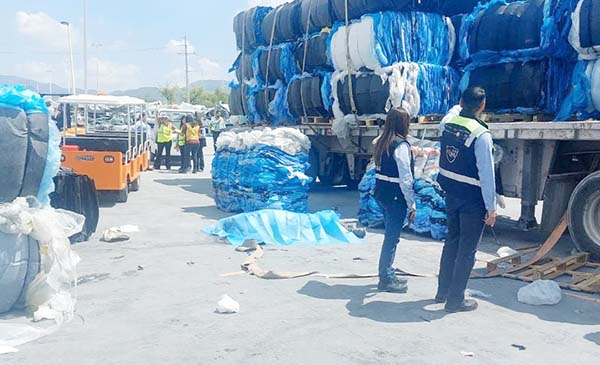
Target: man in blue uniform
<point>467,176</point>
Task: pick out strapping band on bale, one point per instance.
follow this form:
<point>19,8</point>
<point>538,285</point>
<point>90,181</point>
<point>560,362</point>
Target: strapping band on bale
<point>269,61</point>
<point>349,60</point>
<point>304,59</point>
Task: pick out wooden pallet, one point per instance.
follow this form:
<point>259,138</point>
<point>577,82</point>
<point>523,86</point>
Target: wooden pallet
<point>513,117</point>
<point>371,122</point>
<point>574,272</point>
<point>429,119</point>
<point>316,120</point>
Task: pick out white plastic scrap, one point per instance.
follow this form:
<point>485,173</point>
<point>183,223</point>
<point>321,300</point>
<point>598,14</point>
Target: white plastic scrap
<point>472,293</point>
<point>506,251</point>
<point>289,140</point>
<point>47,296</point>
<point>540,292</point>
<point>227,305</point>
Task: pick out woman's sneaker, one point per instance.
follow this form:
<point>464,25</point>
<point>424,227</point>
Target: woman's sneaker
<point>394,286</point>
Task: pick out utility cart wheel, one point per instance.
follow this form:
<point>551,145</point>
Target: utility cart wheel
<point>584,215</point>
<point>135,185</point>
<point>123,194</point>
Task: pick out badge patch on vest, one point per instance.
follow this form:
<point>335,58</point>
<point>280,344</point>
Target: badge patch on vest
<point>451,153</point>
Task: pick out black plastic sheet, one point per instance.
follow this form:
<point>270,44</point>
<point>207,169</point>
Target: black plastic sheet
<point>247,28</point>
<point>316,53</point>
<point>320,15</point>
<point>238,100</point>
<point>370,94</point>
<point>287,21</point>
<point>305,94</point>
<point>589,26</point>
<point>358,8</point>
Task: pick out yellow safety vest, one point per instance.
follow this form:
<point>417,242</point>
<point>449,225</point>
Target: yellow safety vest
<point>192,134</point>
<point>165,133</point>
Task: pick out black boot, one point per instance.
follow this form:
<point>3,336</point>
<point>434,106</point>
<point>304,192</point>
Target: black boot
<point>468,305</point>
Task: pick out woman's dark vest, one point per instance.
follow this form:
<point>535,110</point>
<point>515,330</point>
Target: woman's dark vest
<point>387,183</point>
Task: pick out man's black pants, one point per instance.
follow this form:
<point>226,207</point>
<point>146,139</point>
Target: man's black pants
<point>465,228</point>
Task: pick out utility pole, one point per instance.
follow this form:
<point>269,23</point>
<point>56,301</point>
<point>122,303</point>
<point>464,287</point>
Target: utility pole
<point>85,63</point>
<point>187,68</point>
<point>68,26</point>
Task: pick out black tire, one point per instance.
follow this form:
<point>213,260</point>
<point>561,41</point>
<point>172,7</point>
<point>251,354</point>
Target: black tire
<point>584,215</point>
<point>135,184</point>
<point>123,195</point>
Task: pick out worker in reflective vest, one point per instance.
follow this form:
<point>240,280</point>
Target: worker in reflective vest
<point>467,176</point>
<point>394,192</point>
<point>164,140</point>
<point>192,144</point>
<point>181,145</point>
<point>216,127</point>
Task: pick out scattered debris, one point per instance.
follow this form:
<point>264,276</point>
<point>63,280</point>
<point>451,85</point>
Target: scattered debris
<point>114,234</point>
<point>359,259</point>
<point>360,232</point>
<point>93,277</point>
<point>472,293</point>
<point>467,354</point>
<point>540,292</point>
<point>190,263</point>
<point>118,257</point>
<point>129,228</point>
<point>4,349</point>
<point>506,251</point>
<point>140,268</point>
<point>519,347</point>
<point>227,305</point>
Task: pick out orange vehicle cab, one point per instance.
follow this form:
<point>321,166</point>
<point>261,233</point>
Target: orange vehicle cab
<point>112,148</point>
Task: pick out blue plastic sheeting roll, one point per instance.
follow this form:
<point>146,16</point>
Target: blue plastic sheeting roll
<point>383,39</point>
<point>247,28</point>
<point>316,53</point>
<point>583,102</point>
<point>30,141</point>
<point>280,65</point>
<point>522,30</point>
<point>269,105</point>
<point>524,87</point>
<point>249,178</point>
<point>276,227</point>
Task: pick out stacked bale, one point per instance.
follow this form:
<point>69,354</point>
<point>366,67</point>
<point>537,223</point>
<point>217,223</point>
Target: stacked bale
<point>261,170</point>
<point>519,52</point>
<point>394,59</point>
<point>583,101</point>
<point>431,216</point>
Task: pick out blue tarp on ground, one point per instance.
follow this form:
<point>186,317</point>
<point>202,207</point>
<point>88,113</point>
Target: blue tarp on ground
<point>277,227</point>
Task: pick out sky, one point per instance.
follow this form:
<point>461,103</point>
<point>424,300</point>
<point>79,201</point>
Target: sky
<point>131,43</point>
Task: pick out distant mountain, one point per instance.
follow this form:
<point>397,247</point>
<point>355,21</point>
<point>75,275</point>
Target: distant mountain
<point>148,93</point>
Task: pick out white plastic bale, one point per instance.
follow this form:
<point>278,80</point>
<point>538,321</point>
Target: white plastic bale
<point>595,83</point>
<point>590,53</point>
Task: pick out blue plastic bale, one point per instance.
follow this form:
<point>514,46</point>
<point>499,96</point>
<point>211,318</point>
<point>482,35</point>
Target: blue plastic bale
<point>579,101</point>
<point>438,87</point>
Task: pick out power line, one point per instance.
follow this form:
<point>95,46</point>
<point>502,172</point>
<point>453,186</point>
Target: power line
<point>187,67</point>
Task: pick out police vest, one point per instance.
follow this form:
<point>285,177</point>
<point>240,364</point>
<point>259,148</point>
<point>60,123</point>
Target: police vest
<point>387,178</point>
<point>165,133</point>
<point>459,175</point>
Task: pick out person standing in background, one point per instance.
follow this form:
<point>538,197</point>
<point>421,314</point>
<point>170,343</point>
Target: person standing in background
<point>202,143</point>
<point>181,146</point>
<point>467,177</point>
<point>192,144</point>
<point>164,141</point>
<point>216,127</point>
<point>394,192</point>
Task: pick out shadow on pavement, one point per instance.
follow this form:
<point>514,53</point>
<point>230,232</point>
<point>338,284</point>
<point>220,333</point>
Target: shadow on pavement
<point>197,186</point>
<point>593,337</point>
<point>380,311</point>
<point>504,294</point>
<point>210,212</point>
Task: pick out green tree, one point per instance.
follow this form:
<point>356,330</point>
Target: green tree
<point>199,96</point>
<point>170,94</point>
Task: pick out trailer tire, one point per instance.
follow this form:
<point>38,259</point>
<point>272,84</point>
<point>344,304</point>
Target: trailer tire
<point>584,215</point>
<point>135,184</point>
<point>123,195</point>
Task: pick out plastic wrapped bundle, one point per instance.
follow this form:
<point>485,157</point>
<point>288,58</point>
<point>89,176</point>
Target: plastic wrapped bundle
<point>310,96</point>
<point>29,145</point>
<point>518,30</point>
<point>370,213</point>
<point>243,67</point>
<point>382,39</point>
<point>317,14</point>
<point>357,8</point>
<point>269,105</point>
<point>238,101</point>
<point>585,33</point>
<point>316,53</point>
<point>583,102</point>
<point>455,7</point>
<point>420,88</point>
<point>286,23</point>
<point>281,64</point>
<point>247,28</point>
<point>262,170</point>
<point>525,87</point>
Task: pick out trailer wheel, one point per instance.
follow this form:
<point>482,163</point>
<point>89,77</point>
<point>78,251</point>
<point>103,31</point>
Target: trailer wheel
<point>123,194</point>
<point>584,215</point>
<point>135,184</point>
